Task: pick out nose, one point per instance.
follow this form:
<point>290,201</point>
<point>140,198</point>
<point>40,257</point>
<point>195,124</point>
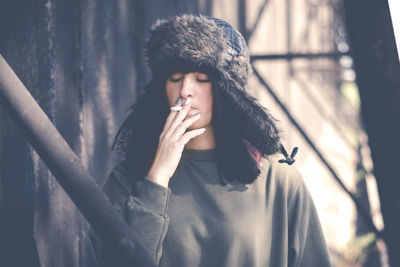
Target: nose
<point>187,86</point>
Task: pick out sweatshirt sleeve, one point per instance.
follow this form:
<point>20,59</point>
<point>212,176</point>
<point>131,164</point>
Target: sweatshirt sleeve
<point>307,245</point>
<point>143,204</point>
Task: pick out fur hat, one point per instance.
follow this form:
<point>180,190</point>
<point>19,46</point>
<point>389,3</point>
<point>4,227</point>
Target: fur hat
<point>198,41</point>
<point>212,45</point>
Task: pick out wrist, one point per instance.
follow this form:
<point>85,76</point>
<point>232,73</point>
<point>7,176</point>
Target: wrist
<point>158,179</point>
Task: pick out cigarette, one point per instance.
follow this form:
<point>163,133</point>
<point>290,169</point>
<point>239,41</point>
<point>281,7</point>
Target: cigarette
<point>175,108</point>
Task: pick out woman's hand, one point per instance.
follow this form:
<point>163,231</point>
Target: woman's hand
<point>172,140</point>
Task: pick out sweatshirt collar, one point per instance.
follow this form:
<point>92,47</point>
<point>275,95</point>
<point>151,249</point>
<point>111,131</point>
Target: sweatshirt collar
<point>195,154</point>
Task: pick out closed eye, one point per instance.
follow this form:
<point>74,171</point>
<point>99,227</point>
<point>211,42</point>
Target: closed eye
<point>175,80</point>
<point>203,80</point>
<point>202,77</point>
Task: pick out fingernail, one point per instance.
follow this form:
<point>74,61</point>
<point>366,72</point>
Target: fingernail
<point>187,101</point>
<point>178,101</point>
<point>203,129</point>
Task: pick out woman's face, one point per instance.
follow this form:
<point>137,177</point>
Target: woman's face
<point>198,87</point>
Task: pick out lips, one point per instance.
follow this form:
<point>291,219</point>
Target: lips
<point>193,111</point>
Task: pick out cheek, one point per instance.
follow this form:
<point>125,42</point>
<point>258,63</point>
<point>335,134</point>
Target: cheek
<point>171,94</point>
<point>209,97</point>
<point>208,100</point>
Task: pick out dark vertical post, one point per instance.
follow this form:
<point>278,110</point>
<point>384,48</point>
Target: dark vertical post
<point>242,18</point>
<point>378,77</point>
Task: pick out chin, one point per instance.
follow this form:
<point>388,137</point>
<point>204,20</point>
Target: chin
<point>195,126</point>
<point>198,125</point>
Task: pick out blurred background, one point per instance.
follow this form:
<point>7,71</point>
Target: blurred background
<point>327,69</point>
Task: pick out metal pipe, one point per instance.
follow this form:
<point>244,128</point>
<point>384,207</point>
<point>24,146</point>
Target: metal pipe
<point>67,168</point>
<point>290,56</point>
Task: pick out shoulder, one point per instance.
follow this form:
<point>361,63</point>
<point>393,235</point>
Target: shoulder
<point>282,178</point>
<point>283,174</point>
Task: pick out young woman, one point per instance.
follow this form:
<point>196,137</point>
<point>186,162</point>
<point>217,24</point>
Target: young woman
<point>199,184</point>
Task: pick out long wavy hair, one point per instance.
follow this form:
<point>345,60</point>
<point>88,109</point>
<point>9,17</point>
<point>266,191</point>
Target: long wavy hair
<point>244,133</point>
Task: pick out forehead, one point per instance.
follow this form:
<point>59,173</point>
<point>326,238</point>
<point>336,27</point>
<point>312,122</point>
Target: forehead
<point>180,73</point>
<point>187,67</point>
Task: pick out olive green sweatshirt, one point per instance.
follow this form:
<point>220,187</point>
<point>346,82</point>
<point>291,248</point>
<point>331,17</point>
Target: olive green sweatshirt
<point>200,220</point>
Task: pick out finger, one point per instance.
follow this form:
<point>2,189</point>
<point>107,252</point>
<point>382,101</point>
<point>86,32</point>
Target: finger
<point>178,105</point>
<point>191,134</point>
<point>179,117</point>
<point>180,130</point>
<point>172,115</point>
<point>168,121</point>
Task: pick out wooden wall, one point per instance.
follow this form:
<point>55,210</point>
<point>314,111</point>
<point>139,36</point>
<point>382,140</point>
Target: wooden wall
<point>83,63</point>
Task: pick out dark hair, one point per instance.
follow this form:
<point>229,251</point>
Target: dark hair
<point>238,158</point>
